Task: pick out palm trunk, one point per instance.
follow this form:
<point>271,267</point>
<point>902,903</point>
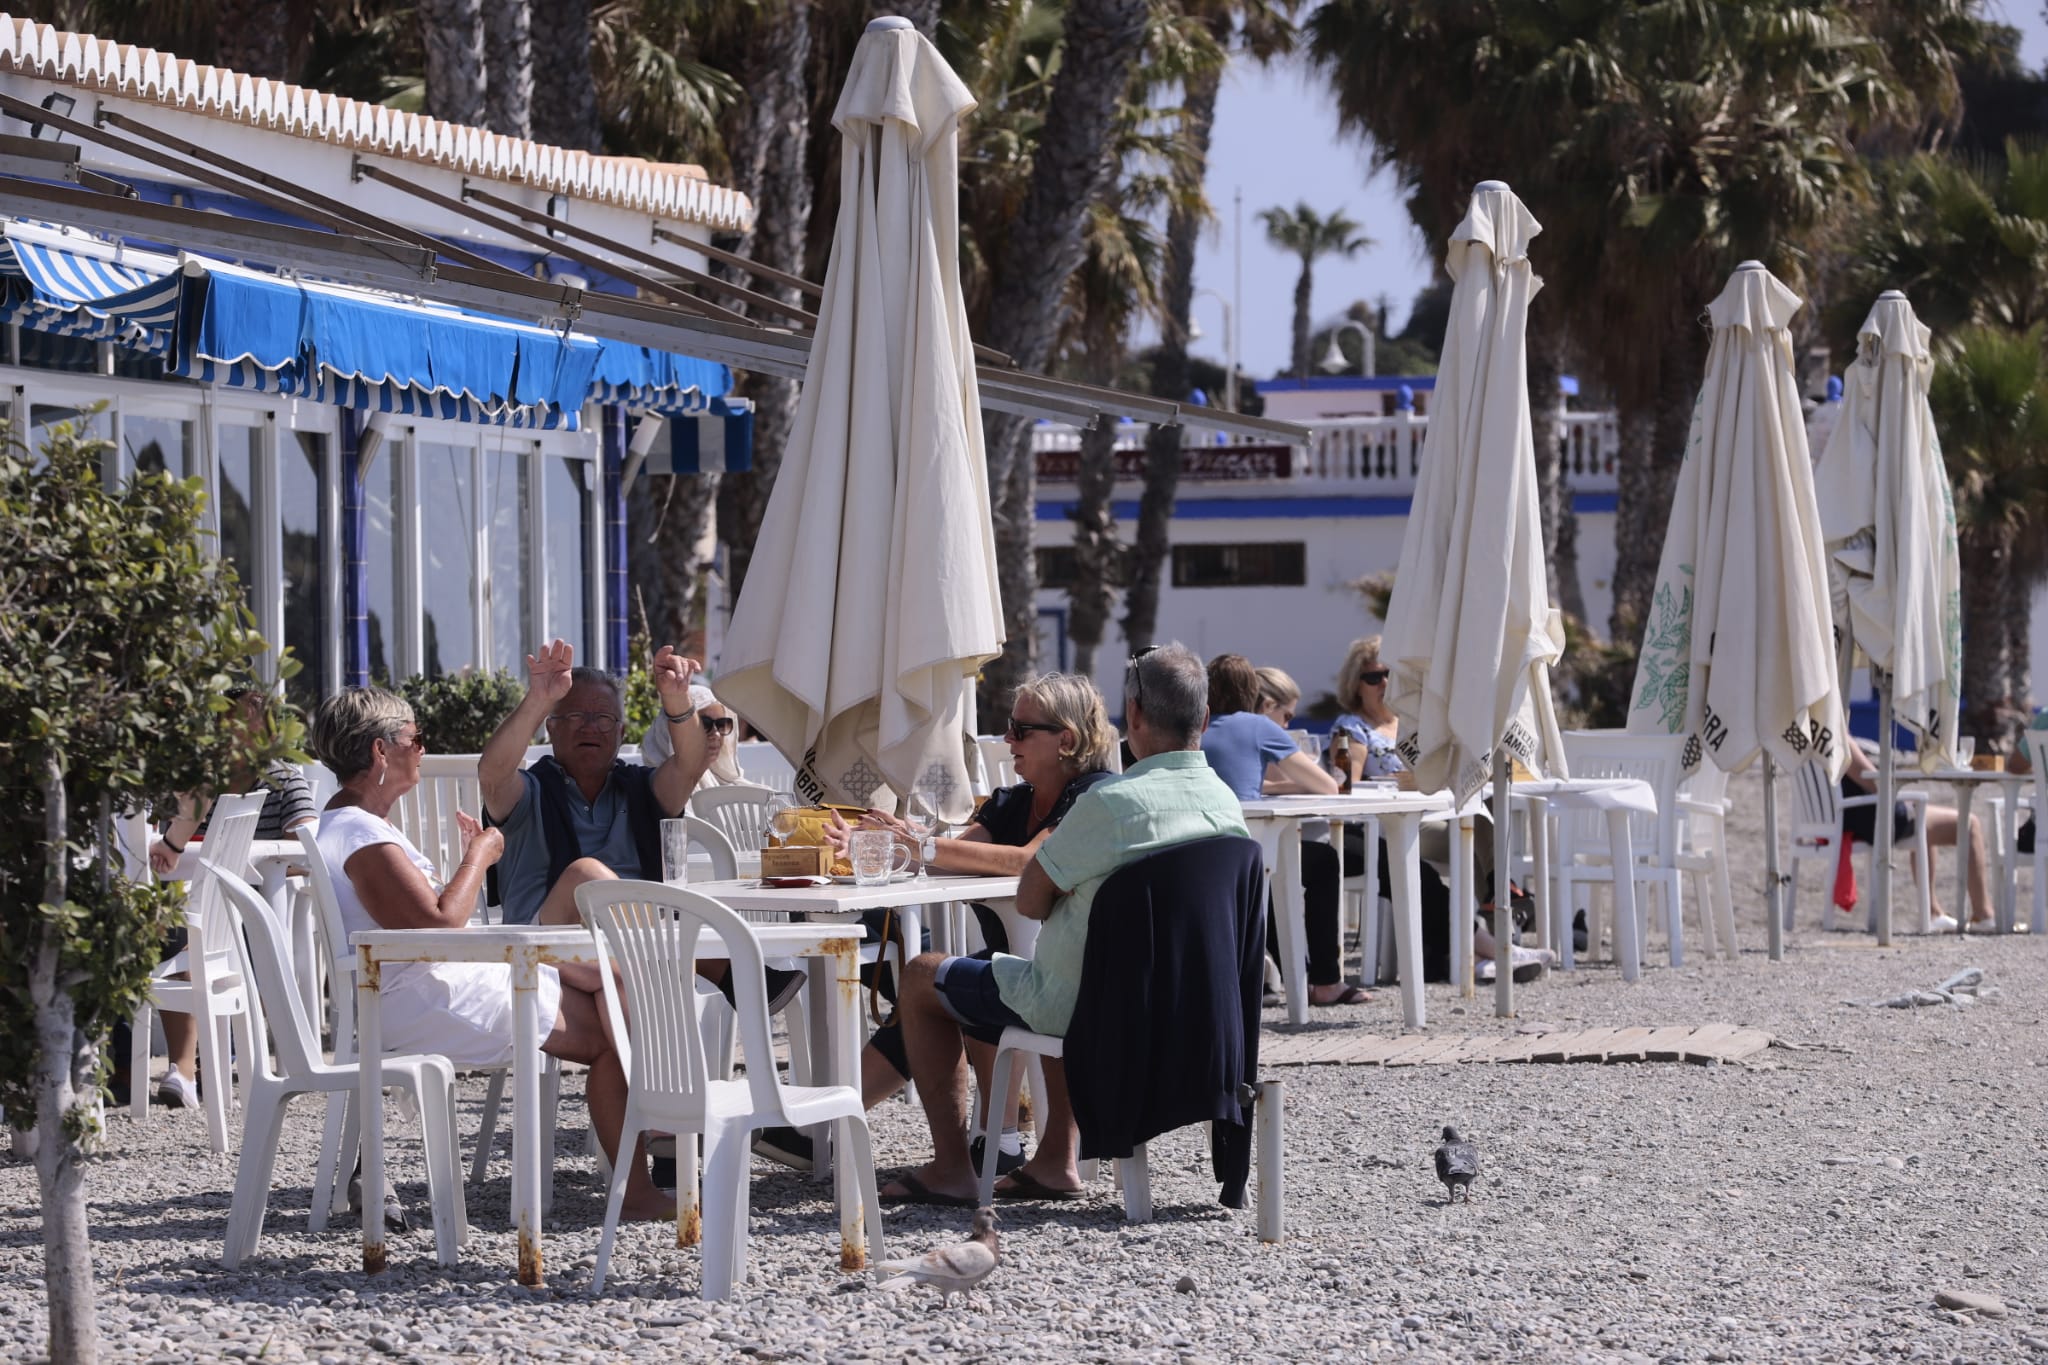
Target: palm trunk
<point>769,148</point>
<point>64,1069</point>
<point>672,522</point>
<point>1092,597</point>
<point>1303,288</point>
<point>1984,548</point>
<point>564,110</point>
<point>1636,426</point>
<point>2019,652</point>
<point>254,37</point>
<point>508,60</point>
<point>1648,473</point>
<point>1101,41</point>
<point>452,32</point>
<point>1170,375</point>
<point>1553,497</point>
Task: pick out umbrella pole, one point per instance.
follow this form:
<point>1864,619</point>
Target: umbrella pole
<point>1881,823</point>
<point>1503,896</point>
<point>1774,886</point>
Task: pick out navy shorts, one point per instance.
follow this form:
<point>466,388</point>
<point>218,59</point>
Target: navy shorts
<point>967,988</point>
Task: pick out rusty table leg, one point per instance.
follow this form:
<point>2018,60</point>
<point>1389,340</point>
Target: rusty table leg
<point>370,1083</point>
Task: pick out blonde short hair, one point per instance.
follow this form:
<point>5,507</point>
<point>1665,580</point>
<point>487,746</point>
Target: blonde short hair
<point>1363,656</point>
<point>348,724</point>
<point>1275,686</point>
<point>1071,702</point>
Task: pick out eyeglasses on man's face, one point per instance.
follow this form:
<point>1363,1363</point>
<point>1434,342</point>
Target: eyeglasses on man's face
<point>594,720</point>
<point>717,725</point>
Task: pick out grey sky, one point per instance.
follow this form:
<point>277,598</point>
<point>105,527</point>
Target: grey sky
<point>1276,139</point>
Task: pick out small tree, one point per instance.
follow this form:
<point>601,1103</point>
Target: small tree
<point>118,640</point>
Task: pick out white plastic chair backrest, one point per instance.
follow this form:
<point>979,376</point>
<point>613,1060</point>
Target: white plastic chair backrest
<point>1654,759</point>
<point>320,779</point>
<point>763,765</point>
<point>1816,803</point>
<point>725,859</point>
<point>1707,784</point>
<point>1115,758</point>
<point>2036,742</point>
<point>275,999</point>
<point>131,847</point>
<point>229,831</point>
<point>426,814</point>
<point>650,932</point>
<point>739,811</point>
<point>996,761</point>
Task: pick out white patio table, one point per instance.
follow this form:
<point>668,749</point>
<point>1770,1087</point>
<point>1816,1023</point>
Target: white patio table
<point>1275,821</point>
<point>1617,798</point>
<point>2005,895</point>
<point>832,954</point>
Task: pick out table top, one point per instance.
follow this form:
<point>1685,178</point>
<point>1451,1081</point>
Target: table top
<point>1338,804</point>
<point>571,942</point>
<point>834,899</point>
<point>1955,776</point>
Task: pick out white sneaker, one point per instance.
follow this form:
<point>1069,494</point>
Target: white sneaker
<point>177,1091</point>
<point>1942,924</point>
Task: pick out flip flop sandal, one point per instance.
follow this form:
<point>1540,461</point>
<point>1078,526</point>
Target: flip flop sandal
<point>915,1191</point>
<point>1352,995</point>
<point>1025,1186</point>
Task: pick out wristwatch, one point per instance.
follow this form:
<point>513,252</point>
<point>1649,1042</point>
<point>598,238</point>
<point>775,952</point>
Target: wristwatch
<point>928,850</point>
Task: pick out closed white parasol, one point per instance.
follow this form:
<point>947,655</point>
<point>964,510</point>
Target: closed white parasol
<point>871,600</point>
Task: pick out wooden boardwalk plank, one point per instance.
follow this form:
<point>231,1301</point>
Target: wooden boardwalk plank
<point>1583,1045</point>
<point>1667,1044</point>
<point>1522,1046</point>
<point>1700,1047</point>
<point>1627,1044</point>
<point>1427,1048</point>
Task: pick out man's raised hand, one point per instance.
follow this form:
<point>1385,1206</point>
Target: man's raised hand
<point>673,675</point>
<point>547,673</point>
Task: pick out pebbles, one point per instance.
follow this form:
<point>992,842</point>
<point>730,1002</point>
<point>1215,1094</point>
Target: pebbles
<point>1629,1212</point>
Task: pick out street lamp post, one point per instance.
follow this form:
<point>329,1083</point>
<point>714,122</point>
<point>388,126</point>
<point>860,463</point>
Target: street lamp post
<point>1229,346</point>
<point>1333,359</point>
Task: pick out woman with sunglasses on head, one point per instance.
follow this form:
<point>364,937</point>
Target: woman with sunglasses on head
<point>1060,741</point>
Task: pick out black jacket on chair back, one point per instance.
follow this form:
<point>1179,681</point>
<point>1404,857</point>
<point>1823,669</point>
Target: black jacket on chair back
<point>1165,1030</point>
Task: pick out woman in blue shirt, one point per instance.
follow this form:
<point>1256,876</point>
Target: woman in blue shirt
<point>1255,758</point>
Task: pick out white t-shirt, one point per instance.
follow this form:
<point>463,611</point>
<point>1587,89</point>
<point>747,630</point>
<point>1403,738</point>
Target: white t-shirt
<point>345,831</point>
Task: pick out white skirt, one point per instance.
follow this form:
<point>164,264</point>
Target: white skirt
<point>460,1010</point>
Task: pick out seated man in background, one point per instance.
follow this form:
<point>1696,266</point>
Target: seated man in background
<point>581,814</point>
<point>1168,796</point>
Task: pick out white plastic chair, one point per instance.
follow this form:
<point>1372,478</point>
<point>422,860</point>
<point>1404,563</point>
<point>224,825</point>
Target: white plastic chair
<point>996,762</point>
<point>739,811</point>
<point>1703,854</point>
<point>297,1069</point>
<point>763,765</point>
<point>426,814</point>
<point>215,993</point>
<point>1817,807</point>
<point>1582,857</point>
<point>651,932</point>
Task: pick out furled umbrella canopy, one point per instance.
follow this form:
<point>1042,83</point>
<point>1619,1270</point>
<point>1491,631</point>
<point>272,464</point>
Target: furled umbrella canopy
<point>1739,652</point>
<point>871,601</point>
<point>1890,522</point>
<point>1470,633</point>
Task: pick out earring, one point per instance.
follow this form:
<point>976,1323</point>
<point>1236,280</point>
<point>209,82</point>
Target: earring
<point>382,774</point>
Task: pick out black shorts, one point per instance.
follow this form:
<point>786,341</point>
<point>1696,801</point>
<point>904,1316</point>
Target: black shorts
<point>1859,822</point>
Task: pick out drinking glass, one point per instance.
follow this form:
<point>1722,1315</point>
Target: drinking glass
<point>782,821</point>
<point>1966,749</point>
<point>921,817</point>
<point>675,853</point>
<point>877,857</point>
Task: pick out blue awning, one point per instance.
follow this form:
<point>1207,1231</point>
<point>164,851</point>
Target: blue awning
<point>719,440</point>
<point>247,329</point>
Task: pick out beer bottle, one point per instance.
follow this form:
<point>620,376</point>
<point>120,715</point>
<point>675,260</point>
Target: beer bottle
<point>1340,759</point>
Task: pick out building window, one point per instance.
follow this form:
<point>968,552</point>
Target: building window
<point>234,504</point>
<point>448,569</point>
<point>1056,567</point>
<point>1283,564</point>
<point>383,498</point>
<point>565,504</point>
<point>304,556</point>
<point>508,495</point>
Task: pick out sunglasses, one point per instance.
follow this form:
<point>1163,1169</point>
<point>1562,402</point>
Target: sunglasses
<point>1018,729</point>
<point>1373,677</point>
<point>1135,678</point>
<point>720,725</point>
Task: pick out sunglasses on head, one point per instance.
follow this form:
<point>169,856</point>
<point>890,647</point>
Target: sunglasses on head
<point>1136,690</point>
<point>717,725</point>
<point>1373,677</point>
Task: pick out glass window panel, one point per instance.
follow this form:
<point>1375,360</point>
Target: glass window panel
<point>302,467</point>
<point>44,417</point>
<point>380,564</point>
<point>447,559</point>
<point>567,551</point>
<point>508,493</point>
<point>159,445</point>
<point>241,453</point>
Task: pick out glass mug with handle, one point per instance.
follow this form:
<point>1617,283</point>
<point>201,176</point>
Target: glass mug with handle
<point>675,852</point>
<point>877,858</point>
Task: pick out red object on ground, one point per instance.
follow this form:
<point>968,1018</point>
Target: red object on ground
<point>1845,879</point>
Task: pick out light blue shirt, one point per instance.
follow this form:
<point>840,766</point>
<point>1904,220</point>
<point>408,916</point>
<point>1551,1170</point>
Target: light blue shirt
<point>1241,746</point>
<point>1167,799</point>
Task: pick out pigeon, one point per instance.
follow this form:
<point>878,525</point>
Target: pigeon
<point>1457,1164</point>
<point>959,1266</point>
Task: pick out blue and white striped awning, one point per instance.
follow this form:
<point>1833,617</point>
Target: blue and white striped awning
<point>718,440</point>
<point>246,329</point>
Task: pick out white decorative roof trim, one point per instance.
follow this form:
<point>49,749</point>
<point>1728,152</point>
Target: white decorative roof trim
<point>43,52</point>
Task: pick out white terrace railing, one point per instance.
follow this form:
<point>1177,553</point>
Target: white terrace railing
<point>1347,456</point>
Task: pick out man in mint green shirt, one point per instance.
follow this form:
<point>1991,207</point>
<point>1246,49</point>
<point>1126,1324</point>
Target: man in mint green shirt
<point>1169,796</point>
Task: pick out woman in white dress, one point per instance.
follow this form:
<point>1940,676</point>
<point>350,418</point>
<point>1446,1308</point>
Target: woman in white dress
<point>461,1010</point>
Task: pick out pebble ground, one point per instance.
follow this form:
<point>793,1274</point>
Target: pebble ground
<point>1808,1207</point>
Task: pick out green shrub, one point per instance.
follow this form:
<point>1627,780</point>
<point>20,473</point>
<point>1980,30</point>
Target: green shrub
<point>459,711</point>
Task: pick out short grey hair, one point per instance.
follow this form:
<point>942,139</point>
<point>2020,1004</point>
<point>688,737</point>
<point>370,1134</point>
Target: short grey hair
<point>1171,686</point>
<point>597,677</point>
<point>347,726</point>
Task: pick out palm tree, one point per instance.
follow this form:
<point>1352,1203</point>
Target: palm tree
<point>452,32</point>
<point>1310,236</point>
<point>508,62</point>
<point>1990,400</point>
<point>564,86</point>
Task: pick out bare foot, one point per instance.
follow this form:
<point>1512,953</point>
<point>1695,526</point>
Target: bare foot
<point>1034,1179</point>
<point>645,1209</point>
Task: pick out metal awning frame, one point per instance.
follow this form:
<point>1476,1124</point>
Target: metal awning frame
<point>371,257</point>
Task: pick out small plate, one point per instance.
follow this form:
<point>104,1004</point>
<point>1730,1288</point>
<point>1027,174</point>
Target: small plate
<point>894,878</point>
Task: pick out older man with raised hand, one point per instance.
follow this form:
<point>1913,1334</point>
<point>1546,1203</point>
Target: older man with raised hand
<point>582,814</point>
<point>1168,796</point>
